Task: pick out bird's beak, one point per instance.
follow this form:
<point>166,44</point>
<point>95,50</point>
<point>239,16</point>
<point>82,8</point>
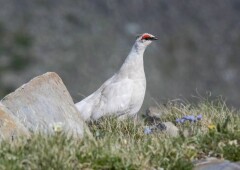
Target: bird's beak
<point>154,38</point>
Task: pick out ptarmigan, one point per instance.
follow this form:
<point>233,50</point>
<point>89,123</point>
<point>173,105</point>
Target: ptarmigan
<point>122,95</point>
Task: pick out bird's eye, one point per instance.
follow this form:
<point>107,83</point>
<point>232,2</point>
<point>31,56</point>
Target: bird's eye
<point>147,38</point>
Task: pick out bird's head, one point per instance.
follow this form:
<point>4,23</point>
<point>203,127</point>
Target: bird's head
<point>145,39</point>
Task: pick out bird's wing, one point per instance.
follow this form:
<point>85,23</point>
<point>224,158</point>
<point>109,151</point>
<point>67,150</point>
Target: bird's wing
<point>114,98</point>
<point>85,106</point>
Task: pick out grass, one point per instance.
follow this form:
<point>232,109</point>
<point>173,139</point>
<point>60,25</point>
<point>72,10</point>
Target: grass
<point>123,145</point>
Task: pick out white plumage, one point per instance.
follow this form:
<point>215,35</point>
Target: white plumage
<point>122,95</point>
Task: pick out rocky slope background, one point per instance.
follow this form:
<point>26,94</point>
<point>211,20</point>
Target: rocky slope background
<point>85,42</point>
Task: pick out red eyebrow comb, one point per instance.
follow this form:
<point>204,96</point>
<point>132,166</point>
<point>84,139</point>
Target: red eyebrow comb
<point>145,36</point>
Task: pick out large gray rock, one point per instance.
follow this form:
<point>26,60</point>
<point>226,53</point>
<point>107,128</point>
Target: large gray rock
<point>10,127</point>
<point>44,104</point>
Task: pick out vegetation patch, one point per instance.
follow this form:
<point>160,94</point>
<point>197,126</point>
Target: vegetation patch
<point>123,144</point>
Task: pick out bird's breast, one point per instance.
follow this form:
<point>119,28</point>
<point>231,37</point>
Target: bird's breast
<point>139,88</point>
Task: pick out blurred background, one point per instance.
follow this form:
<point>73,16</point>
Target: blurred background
<point>86,42</point>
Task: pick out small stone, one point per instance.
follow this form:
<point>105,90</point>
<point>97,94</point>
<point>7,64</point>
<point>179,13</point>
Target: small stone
<point>161,126</point>
<point>154,112</point>
<point>168,128</point>
<point>212,163</point>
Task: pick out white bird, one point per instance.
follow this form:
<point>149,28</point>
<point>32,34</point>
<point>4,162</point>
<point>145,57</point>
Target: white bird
<point>122,95</point>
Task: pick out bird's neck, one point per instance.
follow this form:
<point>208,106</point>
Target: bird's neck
<point>134,61</point>
<point>136,53</point>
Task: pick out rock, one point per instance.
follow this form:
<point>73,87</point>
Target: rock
<point>216,164</point>
<point>169,128</point>
<point>44,104</point>
<point>154,112</point>
<point>10,127</point>
<point>166,127</point>
<point>153,115</point>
